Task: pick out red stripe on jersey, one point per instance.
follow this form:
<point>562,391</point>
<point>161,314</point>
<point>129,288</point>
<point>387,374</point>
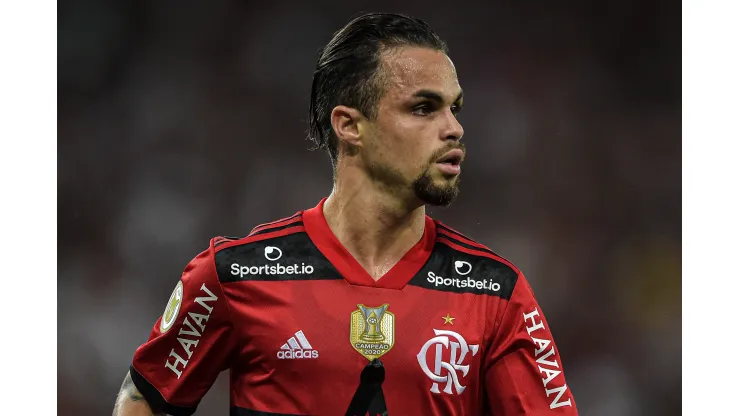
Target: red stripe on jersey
<point>457,237</point>
<point>462,249</point>
<point>265,236</point>
<point>274,224</point>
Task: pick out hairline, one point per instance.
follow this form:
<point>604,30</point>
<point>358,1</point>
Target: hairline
<point>380,80</point>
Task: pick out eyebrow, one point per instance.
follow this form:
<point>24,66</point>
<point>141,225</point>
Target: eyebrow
<point>434,96</point>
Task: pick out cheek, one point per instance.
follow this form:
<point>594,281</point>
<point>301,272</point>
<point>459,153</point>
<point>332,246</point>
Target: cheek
<point>407,146</point>
<point>405,143</point>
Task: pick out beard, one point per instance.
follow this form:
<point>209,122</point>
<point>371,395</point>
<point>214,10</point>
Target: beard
<point>425,188</point>
<point>433,193</point>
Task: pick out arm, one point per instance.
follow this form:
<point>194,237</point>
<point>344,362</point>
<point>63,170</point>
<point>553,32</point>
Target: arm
<point>130,402</point>
<point>523,371</point>
<point>189,345</point>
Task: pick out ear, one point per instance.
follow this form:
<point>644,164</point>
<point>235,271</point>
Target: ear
<point>346,124</point>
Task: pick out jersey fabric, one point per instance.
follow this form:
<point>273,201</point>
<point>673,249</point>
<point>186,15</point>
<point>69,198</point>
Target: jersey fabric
<point>451,329</point>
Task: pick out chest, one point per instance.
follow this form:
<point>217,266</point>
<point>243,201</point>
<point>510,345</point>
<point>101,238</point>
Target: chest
<point>323,333</point>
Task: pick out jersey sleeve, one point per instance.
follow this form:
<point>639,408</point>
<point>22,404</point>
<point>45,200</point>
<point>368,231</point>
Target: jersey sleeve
<point>523,371</point>
<point>190,344</point>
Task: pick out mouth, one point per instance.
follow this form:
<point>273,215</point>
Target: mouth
<point>449,164</point>
<point>453,157</point>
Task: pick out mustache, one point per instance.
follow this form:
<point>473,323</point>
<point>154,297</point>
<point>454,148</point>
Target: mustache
<point>441,152</point>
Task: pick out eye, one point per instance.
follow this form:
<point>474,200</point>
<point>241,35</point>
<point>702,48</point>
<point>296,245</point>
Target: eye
<point>456,108</point>
<point>423,109</point>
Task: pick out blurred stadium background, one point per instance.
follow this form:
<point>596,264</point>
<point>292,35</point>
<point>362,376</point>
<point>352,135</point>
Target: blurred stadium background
<point>183,120</point>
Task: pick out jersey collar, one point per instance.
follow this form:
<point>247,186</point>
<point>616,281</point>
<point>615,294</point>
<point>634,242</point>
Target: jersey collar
<point>396,278</point>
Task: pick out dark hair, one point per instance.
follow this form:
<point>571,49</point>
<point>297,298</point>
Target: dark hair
<point>347,71</point>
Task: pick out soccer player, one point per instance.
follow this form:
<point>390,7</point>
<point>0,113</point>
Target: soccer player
<point>362,304</point>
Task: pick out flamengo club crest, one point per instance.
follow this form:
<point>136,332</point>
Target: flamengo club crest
<point>447,351</point>
<point>372,330</point>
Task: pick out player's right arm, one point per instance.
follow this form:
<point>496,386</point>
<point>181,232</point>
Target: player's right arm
<point>130,402</point>
<point>190,344</point>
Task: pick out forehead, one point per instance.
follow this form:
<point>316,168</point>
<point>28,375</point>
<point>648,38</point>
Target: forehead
<point>409,69</point>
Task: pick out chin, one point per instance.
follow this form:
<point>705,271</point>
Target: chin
<point>439,192</point>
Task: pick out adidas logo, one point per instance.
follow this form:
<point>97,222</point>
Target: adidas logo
<point>297,347</point>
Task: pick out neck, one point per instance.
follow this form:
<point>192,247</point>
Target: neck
<point>375,226</point>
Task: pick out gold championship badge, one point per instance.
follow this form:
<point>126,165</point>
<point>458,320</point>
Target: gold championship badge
<point>372,331</point>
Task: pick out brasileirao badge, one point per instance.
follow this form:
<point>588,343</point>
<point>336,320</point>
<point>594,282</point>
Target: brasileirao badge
<point>372,330</point>
<point>173,308</point>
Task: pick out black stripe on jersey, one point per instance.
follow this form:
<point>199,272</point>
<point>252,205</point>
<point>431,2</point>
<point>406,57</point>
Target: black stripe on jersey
<point>223,239</point>
<point>450,230</point>
<point>278,221</point>
<point>287,257</point>
<point>272,230</point>
<point>470,247</point>
<point>449,270</point>
<point>441,237</point>
<point>463,241</point>
<point>155,399</point>
<point>240,411</point>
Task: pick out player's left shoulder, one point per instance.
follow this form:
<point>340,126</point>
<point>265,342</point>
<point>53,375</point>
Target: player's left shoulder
<point>460,264</point>
<point>462,243</point>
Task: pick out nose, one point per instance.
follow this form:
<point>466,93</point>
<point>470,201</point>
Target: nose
<point>453,129</point>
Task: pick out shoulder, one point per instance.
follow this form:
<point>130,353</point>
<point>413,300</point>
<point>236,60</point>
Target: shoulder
<point>462,244</point>
<point>461,264</point>
<point>277,250</point>
<point>265,241</point>
<point>270,230</point>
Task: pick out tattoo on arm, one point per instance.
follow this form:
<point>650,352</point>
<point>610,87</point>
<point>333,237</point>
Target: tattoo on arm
<point>134,394</point>
<point>130,392</point>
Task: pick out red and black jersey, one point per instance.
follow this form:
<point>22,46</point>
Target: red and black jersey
<point>452,329</point>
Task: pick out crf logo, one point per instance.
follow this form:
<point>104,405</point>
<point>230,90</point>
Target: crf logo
<point>446,371</point>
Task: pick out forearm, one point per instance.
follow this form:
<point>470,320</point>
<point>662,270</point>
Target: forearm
<point>130,402</point>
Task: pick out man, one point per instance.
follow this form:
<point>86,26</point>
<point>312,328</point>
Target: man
<point>362,304</point>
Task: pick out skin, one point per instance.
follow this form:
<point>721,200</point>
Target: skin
<point>130,402</point>
<point>386,171</point>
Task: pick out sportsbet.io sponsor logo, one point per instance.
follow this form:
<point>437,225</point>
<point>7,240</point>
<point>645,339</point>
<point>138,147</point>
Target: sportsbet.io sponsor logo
<point>486,284</point>
<point>273,254</point>
<point>463,268</point>
<point>274,269</point>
